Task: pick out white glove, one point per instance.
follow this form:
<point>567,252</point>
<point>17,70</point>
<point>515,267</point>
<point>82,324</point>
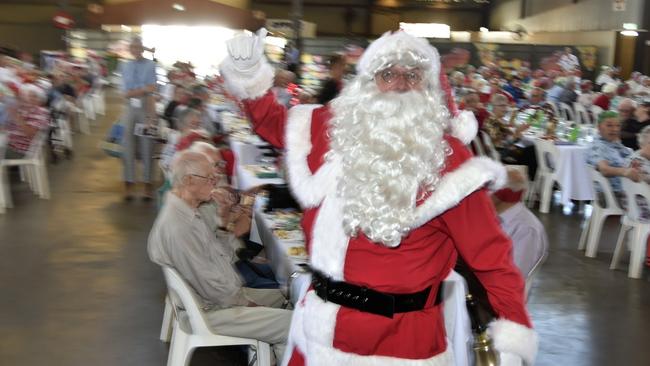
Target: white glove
<point>247,51</point>
<point>509,359</point>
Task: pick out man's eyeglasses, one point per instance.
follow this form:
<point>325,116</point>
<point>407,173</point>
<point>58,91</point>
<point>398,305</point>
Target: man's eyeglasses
<point>411,77</point>
<point>211,178</point>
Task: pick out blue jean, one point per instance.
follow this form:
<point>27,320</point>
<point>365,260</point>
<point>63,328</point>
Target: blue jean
<point>256,275</point>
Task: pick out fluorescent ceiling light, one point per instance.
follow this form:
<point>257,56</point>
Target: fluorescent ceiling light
<point>426,30</point>
<point>630,33</point>
<point>483,29</point>
<point>630,26</point>
<point>178,7</point>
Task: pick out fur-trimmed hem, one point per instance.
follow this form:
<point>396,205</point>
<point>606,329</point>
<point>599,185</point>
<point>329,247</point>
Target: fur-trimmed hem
<point>515,338</point>
<point>464,127</point>
<point>319,355</point>
<point>458,184</point>
<point>309,189</point>
<point>250,84</point>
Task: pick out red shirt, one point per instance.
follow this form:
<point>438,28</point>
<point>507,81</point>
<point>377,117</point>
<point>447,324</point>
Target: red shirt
<point>602,101</point>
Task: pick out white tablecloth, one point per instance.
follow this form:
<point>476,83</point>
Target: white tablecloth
<point>248,154</point>
<point>572,173</point>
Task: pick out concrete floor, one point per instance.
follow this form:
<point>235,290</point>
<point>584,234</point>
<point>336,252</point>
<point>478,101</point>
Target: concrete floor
<point>77,288</point>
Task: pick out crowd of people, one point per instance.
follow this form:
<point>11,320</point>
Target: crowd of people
<point>381,168</point>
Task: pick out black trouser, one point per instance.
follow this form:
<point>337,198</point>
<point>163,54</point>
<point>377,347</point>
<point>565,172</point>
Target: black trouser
<point>520,156</point>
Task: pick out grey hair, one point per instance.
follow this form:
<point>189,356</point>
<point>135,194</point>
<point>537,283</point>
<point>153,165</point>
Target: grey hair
<point>186,114</point>
<point>186,163</point>
<point>499,97</point>
<point>202,147</point>
<point>643,137</point>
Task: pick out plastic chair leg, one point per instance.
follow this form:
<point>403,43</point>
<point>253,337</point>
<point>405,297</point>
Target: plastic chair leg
<point>42,180</point>
<point>178,348</point>
<point>547,193</point>
<point>582,243</point>
<point>264,354</point>
<point>620,244</point>
<point>168,315</point>
<point>6,189</point>
<point>596,228</point>
<point>637,257</point>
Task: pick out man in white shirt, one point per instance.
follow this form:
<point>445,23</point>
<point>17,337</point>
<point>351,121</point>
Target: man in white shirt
<point>529,241</point>
<point>181,239</point>
<point>569,62</point>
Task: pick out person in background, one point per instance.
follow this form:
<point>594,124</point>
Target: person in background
<point>180,98</point>
<point>640,159</point>
<point>514,89</point>
<point>553,94</point>
<point>457,81</point>
<point>630,125</point>
<point>26,122</point>
<point>608,93</point>
<point>608,155</point>
<point>537,98</point>
<point>139,86</point>
<point>333,85</point>
<point>529,240</point>
<point>568,61</point>
<point>472,103</point>
<point>181,239</point>
<point>568,95</point>
<point>605,77</point>
<point>587,94</point>
<point>199,100</point>
<point>280,83</point>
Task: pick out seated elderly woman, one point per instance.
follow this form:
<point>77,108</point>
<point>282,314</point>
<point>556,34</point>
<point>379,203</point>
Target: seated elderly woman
<point>608,155</point>
<point>27,121</point>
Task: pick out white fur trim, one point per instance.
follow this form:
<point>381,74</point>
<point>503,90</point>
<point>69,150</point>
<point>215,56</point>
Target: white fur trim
<point>396,42</point>
<point>247,84</point>
<point>458,184</point>
<point>511,337</point>
<point>309,189</point>
<point>464,127</point>
<point>329,243</point>
<point>319,320</point>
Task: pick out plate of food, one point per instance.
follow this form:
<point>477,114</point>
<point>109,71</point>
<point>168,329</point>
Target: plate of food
<point>297,253</point>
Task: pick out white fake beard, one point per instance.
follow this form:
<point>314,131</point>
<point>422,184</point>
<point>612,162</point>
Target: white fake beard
<point>392,150</point>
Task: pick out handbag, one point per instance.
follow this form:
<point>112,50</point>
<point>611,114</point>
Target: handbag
<point>112,145</point>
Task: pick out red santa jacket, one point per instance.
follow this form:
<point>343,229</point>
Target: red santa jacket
<point>456,219</point>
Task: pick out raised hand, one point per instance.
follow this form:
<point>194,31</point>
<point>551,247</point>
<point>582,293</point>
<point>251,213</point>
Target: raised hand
<point>247,51</point>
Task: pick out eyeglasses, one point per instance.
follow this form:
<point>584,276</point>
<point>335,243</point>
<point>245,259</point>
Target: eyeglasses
<point>411,77</point>
<point>211,178</point>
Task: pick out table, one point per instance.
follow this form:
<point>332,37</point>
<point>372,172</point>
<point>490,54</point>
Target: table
<point>573,174</point>
<point>248,154</point>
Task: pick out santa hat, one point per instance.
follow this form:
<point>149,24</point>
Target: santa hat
<point>515,187</point>
<point>396,47</point>
<point>392,47</point>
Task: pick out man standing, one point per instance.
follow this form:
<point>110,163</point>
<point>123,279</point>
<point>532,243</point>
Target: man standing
<point>139,85</point>
<point>390,201</point>
<point>568,61</point>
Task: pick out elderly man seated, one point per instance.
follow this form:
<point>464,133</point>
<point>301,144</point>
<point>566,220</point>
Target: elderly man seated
<point>181,239</point>
<point>529,241</point>
<point>27,121</point>
<point>608,155</point>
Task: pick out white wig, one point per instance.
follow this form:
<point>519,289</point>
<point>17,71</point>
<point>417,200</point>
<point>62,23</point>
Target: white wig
<point>390,144</point>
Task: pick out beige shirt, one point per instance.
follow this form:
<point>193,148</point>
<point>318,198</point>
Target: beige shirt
<point>181,239</point>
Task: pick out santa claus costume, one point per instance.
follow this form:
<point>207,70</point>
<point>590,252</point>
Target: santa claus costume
<point>391,197</point>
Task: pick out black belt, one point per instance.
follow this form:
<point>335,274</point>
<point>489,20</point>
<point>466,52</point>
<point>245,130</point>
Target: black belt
<point>368,300</point>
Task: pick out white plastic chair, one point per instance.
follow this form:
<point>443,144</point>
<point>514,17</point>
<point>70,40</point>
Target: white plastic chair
<point>33,168</point>
<point>566,112</point>
<point>99,100</point>
<point>596,111</point>
<point>490,150</point>
<point>547,157</point>
<point>634,224</point>
<point>533,272</point>
<point>88,105</point>
<point>168,321</point>
<point>553,105</point>
<point>191,330</point>
<point>581,114</point>
<point>590,236</point>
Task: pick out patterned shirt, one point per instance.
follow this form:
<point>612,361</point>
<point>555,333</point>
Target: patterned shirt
<point>500,133</point>
<point>37,117</point>
<point>642,163</point>
<point>614,153</point>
